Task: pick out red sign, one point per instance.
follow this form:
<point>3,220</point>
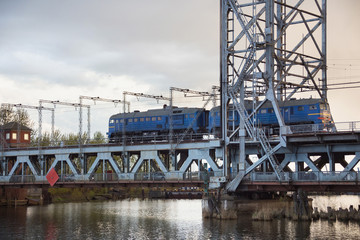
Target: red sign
<point>52,177</point>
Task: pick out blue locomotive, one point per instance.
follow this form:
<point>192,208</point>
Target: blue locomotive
<point>198,120</point>
<point>157,122</point>
<point>294,112</point>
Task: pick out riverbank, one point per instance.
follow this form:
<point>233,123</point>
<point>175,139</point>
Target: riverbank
<point>39,196</point>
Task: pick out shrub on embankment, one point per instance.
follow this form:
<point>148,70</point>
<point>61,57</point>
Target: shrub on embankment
<point>75,194</point>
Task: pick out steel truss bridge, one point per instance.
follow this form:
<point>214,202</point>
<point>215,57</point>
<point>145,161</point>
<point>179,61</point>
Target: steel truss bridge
<point>271,51</point>
<point>150,163</point>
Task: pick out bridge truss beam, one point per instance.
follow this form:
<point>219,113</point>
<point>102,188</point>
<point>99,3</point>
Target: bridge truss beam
<point>302,165</point>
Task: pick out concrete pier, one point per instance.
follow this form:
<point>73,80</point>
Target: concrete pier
<point>219,206</point>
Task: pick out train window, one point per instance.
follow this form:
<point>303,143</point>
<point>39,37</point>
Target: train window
<point>286,110</point>
<point>312,107</point>
<point>270,110</point>
<point>159,118</point>
<point>191,115</point>
<point>135,119</point>
<point>121,120</point>
<point>130,120</point>
<point>112,121</point>
<point>147,119</point>
<point>263,111</point>
<point>300,108</point>
<point>153,119</point>
<point>141,119</point>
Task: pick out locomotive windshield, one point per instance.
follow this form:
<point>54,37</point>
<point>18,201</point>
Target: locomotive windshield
<point>323,106</point>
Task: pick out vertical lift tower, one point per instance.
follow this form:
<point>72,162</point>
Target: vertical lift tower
<point>271,51</point>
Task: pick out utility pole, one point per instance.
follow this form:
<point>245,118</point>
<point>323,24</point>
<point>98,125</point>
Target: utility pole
<point>99,99</point>
<point>138,95</point>
<point>193,93</point>
<point>76,105</point>
<point>39,109</point>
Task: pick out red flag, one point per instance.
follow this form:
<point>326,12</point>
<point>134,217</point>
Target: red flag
<point>52,177</point>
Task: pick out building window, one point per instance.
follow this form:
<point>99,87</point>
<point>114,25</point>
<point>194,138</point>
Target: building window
<point>26,136</point>
<point>7,136</point>
<point>14,136</point>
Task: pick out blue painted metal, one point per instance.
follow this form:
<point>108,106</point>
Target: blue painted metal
<point>157,121</point>
<point>294,112</point>
<point>301,149</point>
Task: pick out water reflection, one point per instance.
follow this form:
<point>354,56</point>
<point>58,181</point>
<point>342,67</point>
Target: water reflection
<point>344,201</point>
<point>157,219</point>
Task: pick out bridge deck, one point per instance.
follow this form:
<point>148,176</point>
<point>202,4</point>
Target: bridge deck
<point>310,152</point>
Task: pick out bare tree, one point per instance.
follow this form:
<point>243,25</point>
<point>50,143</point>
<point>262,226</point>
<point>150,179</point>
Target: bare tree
<point>9,114</point>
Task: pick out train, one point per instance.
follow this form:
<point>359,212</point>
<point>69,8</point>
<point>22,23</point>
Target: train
<point>199,121</point>
<point>157,122</point>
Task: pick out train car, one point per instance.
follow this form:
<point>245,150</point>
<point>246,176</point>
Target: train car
<point>294,112</point>
<point>157,122</point>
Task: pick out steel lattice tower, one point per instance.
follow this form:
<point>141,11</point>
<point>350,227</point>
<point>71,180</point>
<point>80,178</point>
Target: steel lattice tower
<point>271,51</point>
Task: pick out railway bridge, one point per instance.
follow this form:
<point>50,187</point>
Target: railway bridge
<point>313,160</point>
<point>263,64</point>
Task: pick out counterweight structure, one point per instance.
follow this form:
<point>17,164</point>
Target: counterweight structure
<point>271,51</point>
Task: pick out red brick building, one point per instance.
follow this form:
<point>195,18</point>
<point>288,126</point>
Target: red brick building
<point>10,132</point>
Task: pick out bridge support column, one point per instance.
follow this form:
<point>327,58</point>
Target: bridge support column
<point>219,206</point>
<point>302,207</point>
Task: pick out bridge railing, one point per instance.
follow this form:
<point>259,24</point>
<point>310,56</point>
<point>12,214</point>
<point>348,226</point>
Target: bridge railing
<point>129,140</point>
<point>114,177</point>
<point>154,138</point>
<point>325,128</point>
<point>319,176</point>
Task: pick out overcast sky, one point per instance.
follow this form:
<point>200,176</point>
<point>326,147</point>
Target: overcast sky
<point>59,50</point>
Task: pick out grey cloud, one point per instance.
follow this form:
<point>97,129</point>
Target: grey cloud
<point>61,41</point>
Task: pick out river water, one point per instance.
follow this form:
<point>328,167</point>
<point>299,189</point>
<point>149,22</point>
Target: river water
<point>159,219</point>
